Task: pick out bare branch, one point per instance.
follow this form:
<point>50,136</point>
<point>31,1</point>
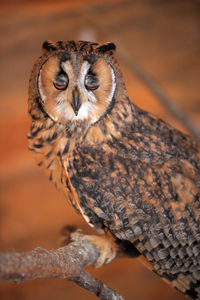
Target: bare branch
<point>64,263</point>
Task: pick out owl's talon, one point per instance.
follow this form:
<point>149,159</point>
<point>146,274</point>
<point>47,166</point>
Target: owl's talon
<point>107,247</point>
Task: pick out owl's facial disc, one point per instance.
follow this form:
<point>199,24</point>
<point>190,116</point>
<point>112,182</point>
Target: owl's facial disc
<point>75,89</point>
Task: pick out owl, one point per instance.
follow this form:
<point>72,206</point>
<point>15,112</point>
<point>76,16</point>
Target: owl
<point>124,170</point>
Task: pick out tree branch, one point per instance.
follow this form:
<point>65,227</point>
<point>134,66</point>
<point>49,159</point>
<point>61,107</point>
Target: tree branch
<point>64,263</point>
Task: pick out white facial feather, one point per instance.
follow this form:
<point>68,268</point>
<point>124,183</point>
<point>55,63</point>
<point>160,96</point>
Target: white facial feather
<point>84,111</point>
<point>43,96</point>
<point>113,84</point>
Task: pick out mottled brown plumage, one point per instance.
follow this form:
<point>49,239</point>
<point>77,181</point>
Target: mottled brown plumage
<point>123,169</point>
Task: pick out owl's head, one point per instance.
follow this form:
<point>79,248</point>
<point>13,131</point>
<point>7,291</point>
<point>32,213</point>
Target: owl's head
<point>75,81</point>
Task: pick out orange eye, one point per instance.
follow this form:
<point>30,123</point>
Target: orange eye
<point>60,87</point>
<point>91,81</point>
<point>61,81</point>
<point>92,88</point>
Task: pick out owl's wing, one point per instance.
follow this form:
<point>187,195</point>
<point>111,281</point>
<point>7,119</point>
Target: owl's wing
<point>172,240</point>
<point>147,199</point>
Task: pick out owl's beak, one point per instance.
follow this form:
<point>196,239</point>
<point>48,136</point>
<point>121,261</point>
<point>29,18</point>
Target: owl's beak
<point>76,102</point>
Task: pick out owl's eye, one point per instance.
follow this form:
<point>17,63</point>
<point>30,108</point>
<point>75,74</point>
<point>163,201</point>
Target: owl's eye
<point>91,81</point>
<point>61,82</point>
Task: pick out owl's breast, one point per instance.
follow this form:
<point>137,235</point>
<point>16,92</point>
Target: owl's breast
<point>85,167</point>
<point>104,182</point>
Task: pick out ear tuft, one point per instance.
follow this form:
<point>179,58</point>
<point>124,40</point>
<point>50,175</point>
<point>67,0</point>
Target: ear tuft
<point>106,48</point>
<point>49,46</point>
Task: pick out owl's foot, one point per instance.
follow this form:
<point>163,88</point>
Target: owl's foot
<point>106,245</point>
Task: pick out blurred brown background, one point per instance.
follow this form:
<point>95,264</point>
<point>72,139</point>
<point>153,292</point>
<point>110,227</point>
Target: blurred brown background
<point>163,38</point>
